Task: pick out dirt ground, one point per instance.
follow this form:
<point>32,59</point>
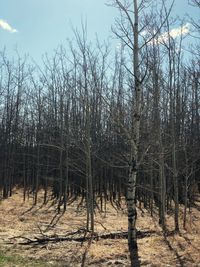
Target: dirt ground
<point>20,220</point>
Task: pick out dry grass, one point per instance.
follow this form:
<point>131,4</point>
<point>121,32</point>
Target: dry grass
<point>22,219</point>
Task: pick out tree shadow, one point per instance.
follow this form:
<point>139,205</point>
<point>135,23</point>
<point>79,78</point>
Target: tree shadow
<point>56,218</point>
<point>178,257</point>
<point>189,242</point>
<point>27,211</point>
<point>31,209</point>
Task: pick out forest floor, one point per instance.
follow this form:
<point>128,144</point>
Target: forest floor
<point>21,221</point>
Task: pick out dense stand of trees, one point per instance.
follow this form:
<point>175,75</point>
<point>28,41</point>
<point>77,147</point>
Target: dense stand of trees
<point>92,125</point>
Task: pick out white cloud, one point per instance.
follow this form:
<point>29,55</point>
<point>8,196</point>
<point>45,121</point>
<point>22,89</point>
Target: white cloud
<point>4,25</point>
<point>174,33</point>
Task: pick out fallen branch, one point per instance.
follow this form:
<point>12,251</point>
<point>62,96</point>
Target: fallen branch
<point>96,236</point>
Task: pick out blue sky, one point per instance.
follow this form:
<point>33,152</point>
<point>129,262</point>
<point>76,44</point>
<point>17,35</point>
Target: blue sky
<point>44,24</point>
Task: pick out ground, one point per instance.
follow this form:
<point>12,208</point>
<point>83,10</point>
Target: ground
<point>20,220</point>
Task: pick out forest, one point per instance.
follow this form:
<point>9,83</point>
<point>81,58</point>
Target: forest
<point>93,130</point>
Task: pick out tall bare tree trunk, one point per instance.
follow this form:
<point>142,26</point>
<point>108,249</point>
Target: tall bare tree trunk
<point>131,193</point>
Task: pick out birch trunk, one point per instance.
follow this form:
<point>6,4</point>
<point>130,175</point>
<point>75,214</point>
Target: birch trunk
<point>131,192</point>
